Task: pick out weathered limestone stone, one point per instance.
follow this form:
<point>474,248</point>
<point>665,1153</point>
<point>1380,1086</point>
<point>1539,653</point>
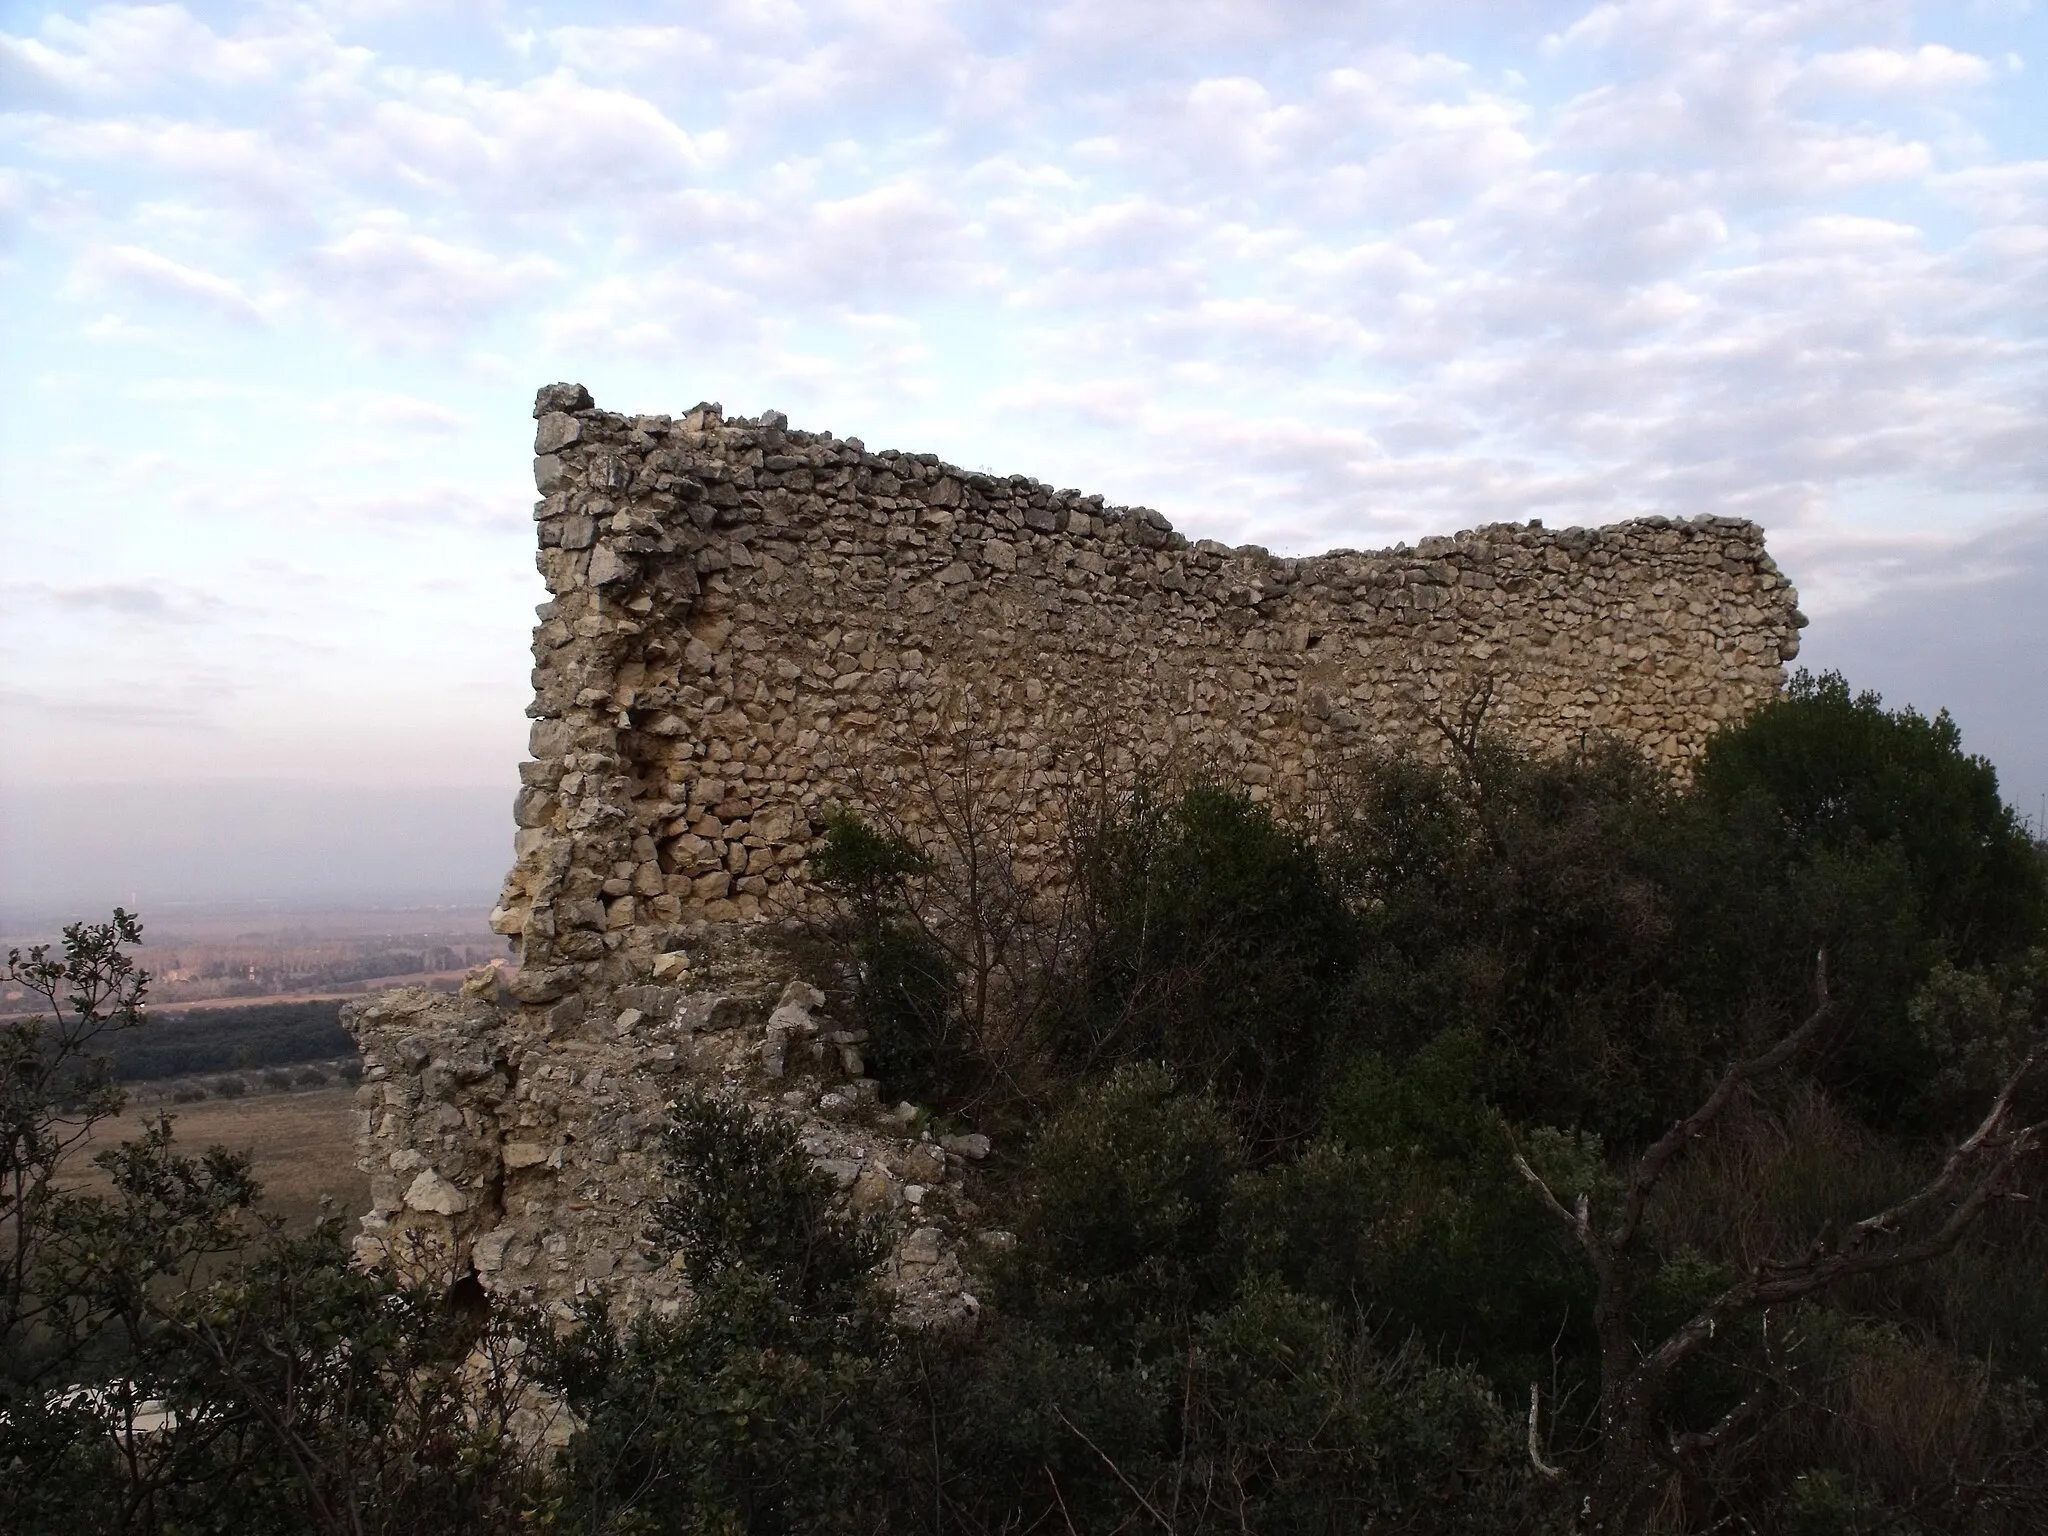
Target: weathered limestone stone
<point>431,1192</point>
<point>522,1140</point>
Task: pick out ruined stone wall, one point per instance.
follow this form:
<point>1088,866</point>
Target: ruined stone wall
<point>751,624</point>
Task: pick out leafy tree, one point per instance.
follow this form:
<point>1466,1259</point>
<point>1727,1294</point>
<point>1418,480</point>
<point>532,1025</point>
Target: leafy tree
<point>1892,848</point>
<point>76,1269</point>
<point>1121,1220</point>
<point>1837,771</point>
<point>906,983</point>
<point>304,1392</point>
<point>289,1391</point>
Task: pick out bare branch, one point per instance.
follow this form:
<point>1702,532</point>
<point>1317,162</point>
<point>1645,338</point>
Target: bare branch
<point>1674,1141</point>
<point>1986,1133</point>
<point>1775,1282</point>
<point>1543,1468</point>
<point>1699,1442</point>
<point>1580,1221</point>
<point>1132,1487</point>
<point>1978,1171</point>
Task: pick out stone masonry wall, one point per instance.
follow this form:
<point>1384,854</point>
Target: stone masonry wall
<point>749,625</point>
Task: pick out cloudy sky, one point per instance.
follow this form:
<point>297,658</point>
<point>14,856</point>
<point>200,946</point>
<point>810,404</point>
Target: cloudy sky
<point>279,282</point>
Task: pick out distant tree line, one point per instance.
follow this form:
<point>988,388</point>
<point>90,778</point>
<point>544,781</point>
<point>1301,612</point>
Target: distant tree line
<point>1503,1144</point>
<point>229,1039</point>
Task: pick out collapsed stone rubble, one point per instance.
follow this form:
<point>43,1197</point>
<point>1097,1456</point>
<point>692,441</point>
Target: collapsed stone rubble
<point>524,1142</point>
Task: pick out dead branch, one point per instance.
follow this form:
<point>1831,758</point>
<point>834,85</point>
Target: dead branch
<point>1543,1468</point>
<point>1131,1487</point>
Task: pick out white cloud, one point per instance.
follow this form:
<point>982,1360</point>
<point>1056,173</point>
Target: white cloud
<point>148,274</point>
<point>408,413</point>
<point>143,602</point>
<point>136,50</point>
<point>670,312</point>
<point>32,75</point>
<point>16,196</point>
<point>248,167</point>
<point>633,51</point>
<point>414,289</point>
<point>554,137</point>
<point>1878,71</point>
<point>897,238</point>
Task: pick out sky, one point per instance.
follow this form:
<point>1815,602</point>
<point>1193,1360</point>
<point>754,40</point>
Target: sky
<point>277,283</point>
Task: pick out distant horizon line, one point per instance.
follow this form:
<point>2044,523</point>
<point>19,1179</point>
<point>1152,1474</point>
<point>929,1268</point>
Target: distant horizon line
<point>15,916</point>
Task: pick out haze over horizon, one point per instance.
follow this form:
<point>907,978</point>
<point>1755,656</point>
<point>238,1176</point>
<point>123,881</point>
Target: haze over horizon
<point>281,280</point>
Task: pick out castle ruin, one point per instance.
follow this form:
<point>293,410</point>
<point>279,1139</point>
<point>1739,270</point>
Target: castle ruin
<point>750,625</point>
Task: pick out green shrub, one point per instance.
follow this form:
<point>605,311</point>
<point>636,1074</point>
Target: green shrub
<point>1276,1413</point>
<point>744,1198</point>
<point>1529,903</point>
<point>1215,942</point>
<point>904,997</point>
<point>766,1403</point>
<point>905,983</point>
<point>866,866</point>
<point>1837,771</point>
<point>1120,1229</point>
<point>1897,850</point>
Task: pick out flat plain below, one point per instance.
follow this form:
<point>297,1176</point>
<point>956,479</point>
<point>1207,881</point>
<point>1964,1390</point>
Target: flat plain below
<point>303,1146</point>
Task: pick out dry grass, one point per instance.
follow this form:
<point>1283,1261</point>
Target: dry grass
<point>303,1145</point>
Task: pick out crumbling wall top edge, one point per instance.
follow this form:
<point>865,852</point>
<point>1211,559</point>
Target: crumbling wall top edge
<point>750,431</point>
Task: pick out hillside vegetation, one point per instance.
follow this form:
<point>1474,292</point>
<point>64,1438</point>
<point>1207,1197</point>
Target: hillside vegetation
<point>1506,1144</point>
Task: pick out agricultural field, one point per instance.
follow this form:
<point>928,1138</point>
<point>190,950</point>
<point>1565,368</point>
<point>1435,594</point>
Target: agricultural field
<point>303,1145</point>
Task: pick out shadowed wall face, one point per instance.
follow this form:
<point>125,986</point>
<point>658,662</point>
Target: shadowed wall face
<point>751,624</point>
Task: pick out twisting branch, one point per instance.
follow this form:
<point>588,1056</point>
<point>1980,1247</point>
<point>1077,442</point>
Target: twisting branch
<point>1980,1170</point>
<point>1683,1447</point>
<point>1129,1486</point>
<point>1468,730</point>
<point>1579,1219</point>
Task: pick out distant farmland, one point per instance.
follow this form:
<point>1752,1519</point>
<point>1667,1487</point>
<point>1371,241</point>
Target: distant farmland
<point>302,1144</point>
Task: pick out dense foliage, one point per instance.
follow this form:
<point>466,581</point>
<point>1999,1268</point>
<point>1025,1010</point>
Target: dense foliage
<point>230,1039</point>
<point>1494,1149</point>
